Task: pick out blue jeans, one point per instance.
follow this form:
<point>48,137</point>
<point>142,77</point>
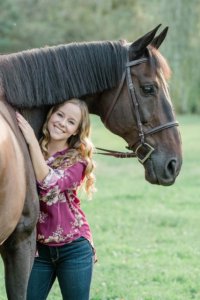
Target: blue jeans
<point>71,264</point>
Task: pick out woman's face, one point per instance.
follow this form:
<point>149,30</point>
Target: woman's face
<point>64,122</point>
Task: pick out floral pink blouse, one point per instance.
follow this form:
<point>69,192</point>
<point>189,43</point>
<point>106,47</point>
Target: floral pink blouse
<point>61,219</point>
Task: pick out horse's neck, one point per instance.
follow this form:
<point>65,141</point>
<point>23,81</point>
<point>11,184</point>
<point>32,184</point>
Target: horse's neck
<point>99,103</point>
<point>36,117</point>
<point>2,93</point>
<point>93,103</point>
<point>7,111</point>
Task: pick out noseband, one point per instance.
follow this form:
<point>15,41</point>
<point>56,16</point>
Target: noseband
<point>143,151</point>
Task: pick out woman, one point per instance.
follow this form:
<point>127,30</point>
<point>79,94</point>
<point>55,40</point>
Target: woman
<point>62,163</point>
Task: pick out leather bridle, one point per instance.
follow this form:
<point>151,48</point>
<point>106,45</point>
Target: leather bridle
<point>143,150</point>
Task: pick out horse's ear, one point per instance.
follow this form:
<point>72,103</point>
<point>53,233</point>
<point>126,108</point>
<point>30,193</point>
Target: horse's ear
<point>157,41</point>
<point>137,48</point>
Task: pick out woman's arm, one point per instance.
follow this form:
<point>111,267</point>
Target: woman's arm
<point>63,179</point>
<point>40,167</point>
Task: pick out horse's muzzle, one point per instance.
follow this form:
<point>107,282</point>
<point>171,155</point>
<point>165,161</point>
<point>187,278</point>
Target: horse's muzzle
<point>156,174</point>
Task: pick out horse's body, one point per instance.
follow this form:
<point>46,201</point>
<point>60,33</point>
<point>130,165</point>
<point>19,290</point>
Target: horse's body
<point>141,113</point>
<point>18,205</point>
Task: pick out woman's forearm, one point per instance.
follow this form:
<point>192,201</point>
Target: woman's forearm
<point>40,167</point>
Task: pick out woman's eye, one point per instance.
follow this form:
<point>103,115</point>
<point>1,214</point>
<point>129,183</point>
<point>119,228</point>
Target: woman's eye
<point>148,89</point>
<point>71,122</point>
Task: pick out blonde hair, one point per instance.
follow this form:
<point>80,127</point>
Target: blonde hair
<point>80,145</point>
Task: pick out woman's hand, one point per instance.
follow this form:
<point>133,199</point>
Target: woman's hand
<point>26,129</point>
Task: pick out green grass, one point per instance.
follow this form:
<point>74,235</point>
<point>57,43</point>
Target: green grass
<point>146,236</point>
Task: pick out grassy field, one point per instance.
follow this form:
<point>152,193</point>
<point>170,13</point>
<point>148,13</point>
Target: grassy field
<point>147,237</point>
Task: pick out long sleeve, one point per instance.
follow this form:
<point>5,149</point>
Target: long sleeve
<point>63,179</point>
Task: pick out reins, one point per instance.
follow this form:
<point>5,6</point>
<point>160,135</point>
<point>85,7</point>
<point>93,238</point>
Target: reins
<point>142,150</point>
<point>117,154</point>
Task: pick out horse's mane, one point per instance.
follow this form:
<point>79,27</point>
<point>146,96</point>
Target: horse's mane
<point>49,75</point>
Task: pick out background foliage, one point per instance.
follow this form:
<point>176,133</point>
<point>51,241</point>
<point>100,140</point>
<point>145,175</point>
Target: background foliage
<point>26,24</point>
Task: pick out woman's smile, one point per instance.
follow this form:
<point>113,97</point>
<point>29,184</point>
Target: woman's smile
<point>58,129</point>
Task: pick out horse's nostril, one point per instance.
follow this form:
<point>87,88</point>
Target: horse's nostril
<point>171,167</point>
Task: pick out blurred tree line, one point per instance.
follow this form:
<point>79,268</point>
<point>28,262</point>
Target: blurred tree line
<point>26,24</point>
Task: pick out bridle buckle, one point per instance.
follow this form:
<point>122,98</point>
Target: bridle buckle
<point>143,152</point>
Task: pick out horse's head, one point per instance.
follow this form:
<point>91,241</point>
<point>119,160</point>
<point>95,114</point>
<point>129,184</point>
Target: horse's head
<point>142,112</point>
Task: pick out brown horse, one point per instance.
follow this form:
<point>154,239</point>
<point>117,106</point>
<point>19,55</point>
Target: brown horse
<point>124,84</point>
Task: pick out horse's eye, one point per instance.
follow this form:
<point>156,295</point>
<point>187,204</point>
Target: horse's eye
<point>148,89</point>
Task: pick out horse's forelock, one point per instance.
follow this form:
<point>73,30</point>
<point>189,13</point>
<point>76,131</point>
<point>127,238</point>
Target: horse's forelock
<point>159,63</point>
